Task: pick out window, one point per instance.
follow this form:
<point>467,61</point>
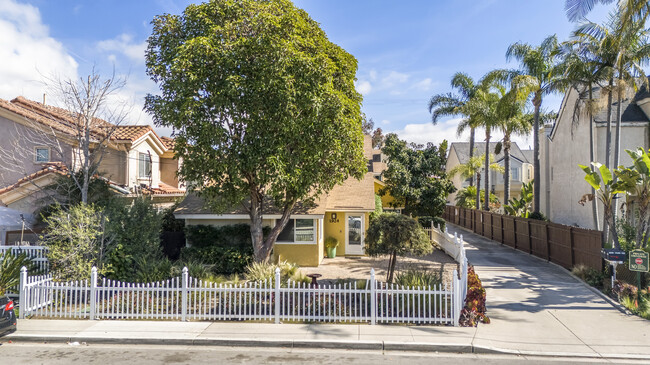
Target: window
<point>376,157</point>
<point>144,165</point>
<point>514,173</point>
<point>298,231</point>
<point>42,154</point>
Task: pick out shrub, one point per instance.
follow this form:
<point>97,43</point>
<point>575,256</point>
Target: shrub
<point>418,278</point>
<point>474,310</point>
<point>589,275</point>
<point>260,271</point>
<point>623,290</point>
<point>537,216</point>
<point>228,249</point>
<point>75,241</point>
<point>10,265</point>
<point>331,242</point>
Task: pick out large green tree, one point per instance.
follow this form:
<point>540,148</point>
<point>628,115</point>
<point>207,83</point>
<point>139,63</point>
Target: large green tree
<point>415,177</point>
<point>262,103</point>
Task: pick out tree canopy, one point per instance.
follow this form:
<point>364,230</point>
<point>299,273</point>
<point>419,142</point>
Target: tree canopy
<point>263,105</point>
<point>415,176</point>
<point>396,234</point>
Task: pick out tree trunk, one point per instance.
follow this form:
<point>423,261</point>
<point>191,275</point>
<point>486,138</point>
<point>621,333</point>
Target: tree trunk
<point>390,264</point>
<point>486,203</point>
<point>506,173</point>
<point>391,269</point>
<point>617,143</point>
<point>608,139</point>
<point>471,152</point>
<point>608,151</point>
<point>478,191</point>
<point>537,102</point>
<point>257,233</point>
<point>592,158</point>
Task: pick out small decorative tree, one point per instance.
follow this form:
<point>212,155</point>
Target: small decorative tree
<point>396,234</point>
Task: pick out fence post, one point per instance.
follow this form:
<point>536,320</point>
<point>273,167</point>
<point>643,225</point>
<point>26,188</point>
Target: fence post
<point>93,291</point>
<point>23,291</point>
<point>184,283</point>
<point>455,310</point>
<point>373,298</point>
<point>276,296</point>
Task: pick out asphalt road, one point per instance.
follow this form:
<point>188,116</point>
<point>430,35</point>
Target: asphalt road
<point>35,353</point>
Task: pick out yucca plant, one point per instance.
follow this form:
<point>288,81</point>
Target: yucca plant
<point>10,266</point>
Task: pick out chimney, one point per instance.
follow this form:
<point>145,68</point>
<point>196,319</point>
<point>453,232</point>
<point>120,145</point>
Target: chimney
<point>43,98</point>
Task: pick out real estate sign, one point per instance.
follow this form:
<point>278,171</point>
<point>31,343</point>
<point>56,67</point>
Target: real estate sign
<point>638,261</point>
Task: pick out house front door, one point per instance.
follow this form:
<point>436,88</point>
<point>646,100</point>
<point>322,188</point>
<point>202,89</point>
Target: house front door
<point>354,229</point>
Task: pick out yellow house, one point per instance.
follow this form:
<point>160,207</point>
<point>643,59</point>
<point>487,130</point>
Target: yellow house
<point>343,213</point>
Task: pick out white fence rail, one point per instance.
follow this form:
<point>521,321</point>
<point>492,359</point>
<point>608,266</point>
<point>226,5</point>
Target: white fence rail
<point>185,298</point>
<point>453,245</point>
<point>38,254</point>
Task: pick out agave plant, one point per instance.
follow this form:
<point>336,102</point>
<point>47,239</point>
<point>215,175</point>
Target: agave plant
<point>10,265</point>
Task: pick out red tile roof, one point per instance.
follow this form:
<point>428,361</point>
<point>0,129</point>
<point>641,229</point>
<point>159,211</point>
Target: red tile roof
<point>64,121</point>
<point>49,168</point>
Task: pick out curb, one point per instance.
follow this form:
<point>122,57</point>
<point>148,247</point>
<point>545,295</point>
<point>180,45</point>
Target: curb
<point>382,346</point>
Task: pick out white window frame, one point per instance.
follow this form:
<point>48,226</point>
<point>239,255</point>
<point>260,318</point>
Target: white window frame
<point>515,178</point>
<point>147,159</point>
<point>49,154</point>
<point>314,225</point>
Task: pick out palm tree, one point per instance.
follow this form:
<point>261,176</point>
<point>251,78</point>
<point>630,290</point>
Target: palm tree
<point>539,74</point>
<point>583,73</point>
<point>474,167</point>
<point>622,51</point>
<point>484,108</point>
<point>455,105</point>
<point>512,120</point>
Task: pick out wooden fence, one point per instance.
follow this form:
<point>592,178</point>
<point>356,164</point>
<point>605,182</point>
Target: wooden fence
<point>564,245</point>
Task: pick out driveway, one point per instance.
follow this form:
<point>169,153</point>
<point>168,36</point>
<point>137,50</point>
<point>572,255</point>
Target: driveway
<point>535,305</point>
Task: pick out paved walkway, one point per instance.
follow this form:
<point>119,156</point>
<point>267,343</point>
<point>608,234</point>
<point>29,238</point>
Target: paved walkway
<point>536,308</point>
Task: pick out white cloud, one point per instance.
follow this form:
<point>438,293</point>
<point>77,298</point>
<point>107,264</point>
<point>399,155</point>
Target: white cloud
<point>385,122</point>
<point>124,44</point>
<point>394,78</point>
<point>424,85</point>
<point>364,87</point>
<point>423,133</point>
<point>373,75</point>
<point>28,53</point>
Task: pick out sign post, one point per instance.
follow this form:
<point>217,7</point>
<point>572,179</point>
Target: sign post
<point>639,263</point>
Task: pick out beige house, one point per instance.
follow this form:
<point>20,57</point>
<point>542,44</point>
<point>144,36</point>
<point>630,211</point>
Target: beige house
<point>38,144</point>
<point>565,144</point>
<point>521,168</point>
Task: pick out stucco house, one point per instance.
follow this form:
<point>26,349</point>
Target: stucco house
<point>343,213</point>
<point>136,160</point>
<point>565,144</point>
<point>521,168</point>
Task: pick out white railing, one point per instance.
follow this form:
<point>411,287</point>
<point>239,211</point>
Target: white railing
<point>185,298</point>
<point>453,245</point>
<point>38,254</point>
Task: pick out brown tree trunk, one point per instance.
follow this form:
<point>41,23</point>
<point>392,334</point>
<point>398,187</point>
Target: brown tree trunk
<point>537,102</point>
<point>391,269</point>
<point>471,152</point>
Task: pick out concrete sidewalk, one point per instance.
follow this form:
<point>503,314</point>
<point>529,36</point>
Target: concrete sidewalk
<point>536,308</point>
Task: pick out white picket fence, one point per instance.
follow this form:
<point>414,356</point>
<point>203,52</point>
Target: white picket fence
<point>453,245</point>
<point>38,254</point>
<point>185,298</point>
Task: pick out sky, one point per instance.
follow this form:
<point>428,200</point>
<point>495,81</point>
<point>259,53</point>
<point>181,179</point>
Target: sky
<point>407,51</point>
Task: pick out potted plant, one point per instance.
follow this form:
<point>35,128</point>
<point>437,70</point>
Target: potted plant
<point>331,244</point>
